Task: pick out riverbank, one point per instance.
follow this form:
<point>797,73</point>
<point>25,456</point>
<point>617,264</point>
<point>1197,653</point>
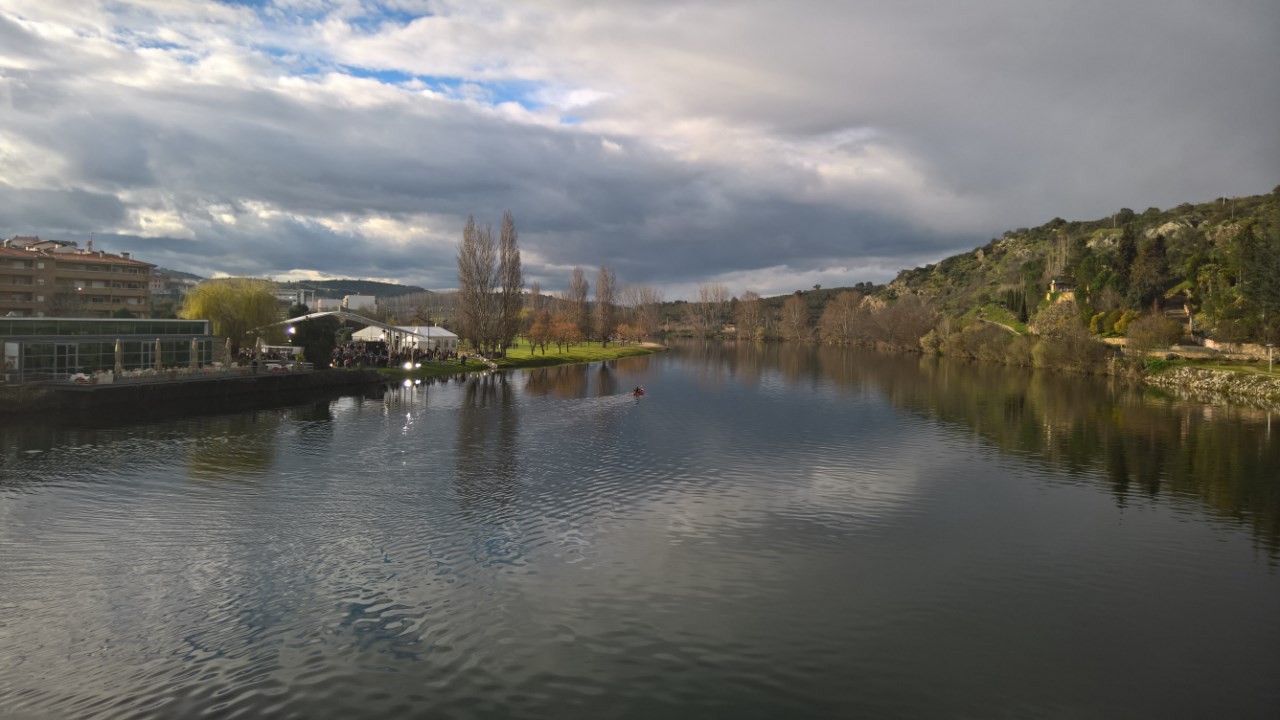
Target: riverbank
<point>204,393</point>
<point>1206,384</point>
<point>522,355</point>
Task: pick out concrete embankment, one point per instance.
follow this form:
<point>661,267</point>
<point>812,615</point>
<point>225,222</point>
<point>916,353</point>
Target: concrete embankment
<point>196,394</point>
<point>1209,385</point>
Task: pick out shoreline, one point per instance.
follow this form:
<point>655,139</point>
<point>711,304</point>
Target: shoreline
<point>1209,385</point>
<point>519,357</point>
<point>204,393</point>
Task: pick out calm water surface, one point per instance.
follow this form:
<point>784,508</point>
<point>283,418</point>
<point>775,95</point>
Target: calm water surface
<point>781,532</point>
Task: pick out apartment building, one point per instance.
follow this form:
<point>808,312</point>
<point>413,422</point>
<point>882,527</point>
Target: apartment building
<point>54,278</point>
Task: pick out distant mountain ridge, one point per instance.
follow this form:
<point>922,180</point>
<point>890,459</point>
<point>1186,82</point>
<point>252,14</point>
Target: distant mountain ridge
<point>339,288</point>
<point>329,289</point>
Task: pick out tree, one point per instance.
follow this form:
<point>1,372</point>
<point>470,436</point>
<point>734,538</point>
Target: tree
<point>750,316</point>
<point>68,303</point>
<point>233,306</point>
<point>839,318</point>
<point>707,314</point>
<point>540,331</point>
<point>642,301</point>
<point>1064,341</point>
<point>606,304</point>
<point>902,323</point>
<point>1258,259</point>
<point>512,279</point>
<point>1148,274</point>
<point>535,297</point>
<point>1058,320</point>
<point>1152,331</point>
<point>477,285</point>
<point>576,300</point>
<point>1126,252</point>
<point>317,337</point>
<point>564,331</point>
<point>795,319</point>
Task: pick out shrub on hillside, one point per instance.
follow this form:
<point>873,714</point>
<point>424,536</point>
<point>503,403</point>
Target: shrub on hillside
<point>1065,343</point>
<point>1153,331</point>
<point>1076,352</point>
<point>1122,325</point>
<point>1018,352</point>
<point>980,341</point>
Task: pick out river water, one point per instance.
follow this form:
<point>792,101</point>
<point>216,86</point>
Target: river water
<point>776,532</point>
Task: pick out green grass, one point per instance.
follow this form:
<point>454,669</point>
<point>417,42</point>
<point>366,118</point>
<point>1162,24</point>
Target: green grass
<point>1002,315</point>
<point>522,356</point>
<point>1156,366</point>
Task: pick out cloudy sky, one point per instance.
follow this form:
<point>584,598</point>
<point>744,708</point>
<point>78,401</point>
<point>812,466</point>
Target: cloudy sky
<point>765,145</point>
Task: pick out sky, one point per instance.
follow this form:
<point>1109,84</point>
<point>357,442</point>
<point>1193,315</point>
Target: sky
<point>767,146</point>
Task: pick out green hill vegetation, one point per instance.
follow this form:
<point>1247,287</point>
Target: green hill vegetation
<point>1048,296</point>
<point>1215,266</point>
<point>339,288</point>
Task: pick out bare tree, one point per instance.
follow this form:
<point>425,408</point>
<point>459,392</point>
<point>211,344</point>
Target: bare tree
<point>540,331</point>
<point>643,302</point>
<point>839,318</point>
<point>576,299</point>
<point>478,284</point>
<point>751,317</point>
<point>795,318</point>
<point>708,313</point>
<point>535,297</point>
<point>606,304</point>
<point>512,278</point>
<point>902,323</point>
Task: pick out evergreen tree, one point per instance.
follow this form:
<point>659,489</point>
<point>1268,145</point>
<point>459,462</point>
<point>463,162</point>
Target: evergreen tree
<point>1147,276</point>
<point>1126,253</point>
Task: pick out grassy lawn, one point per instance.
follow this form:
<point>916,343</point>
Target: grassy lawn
<point>1002,316</point>
<point>522,356</point>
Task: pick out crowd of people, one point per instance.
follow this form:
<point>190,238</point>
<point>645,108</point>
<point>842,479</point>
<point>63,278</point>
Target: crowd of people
<point>377,354</point>
<point>247,355</point>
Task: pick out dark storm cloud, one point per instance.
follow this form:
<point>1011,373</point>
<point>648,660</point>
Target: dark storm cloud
<point>716,140</point>
<point>56,211</point>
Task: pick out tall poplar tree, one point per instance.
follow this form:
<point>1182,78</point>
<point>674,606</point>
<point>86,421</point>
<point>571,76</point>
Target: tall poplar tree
<point>576,300</point>
<point>606,304</point>
<point>512,279</point>
<point>478,284</point>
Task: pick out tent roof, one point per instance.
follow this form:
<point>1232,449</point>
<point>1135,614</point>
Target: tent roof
<point>422,331</point>
<point>419,330</point>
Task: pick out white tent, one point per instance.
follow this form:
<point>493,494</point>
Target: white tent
<point>427,337</point>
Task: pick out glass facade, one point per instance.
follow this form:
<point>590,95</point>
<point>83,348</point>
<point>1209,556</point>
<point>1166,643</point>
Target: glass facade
<point>24,327</point>
<point>55,348</point>
<point>59,357</point>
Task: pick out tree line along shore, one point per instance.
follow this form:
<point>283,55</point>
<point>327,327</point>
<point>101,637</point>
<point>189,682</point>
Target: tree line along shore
<point>1130,293</point>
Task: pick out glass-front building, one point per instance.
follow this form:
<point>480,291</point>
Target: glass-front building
<point>58,348</point>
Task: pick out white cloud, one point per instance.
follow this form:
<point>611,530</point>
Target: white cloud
<point>776,145</point>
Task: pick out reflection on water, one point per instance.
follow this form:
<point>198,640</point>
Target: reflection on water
<point>772,531</point>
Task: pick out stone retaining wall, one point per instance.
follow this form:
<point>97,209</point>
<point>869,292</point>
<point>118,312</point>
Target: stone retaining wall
<point>1202,383</point>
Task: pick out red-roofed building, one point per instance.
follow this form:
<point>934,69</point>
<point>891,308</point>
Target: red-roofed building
<point>53,278</point>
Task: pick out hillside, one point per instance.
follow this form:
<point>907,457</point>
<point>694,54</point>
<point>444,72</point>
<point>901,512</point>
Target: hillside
<point>338,288</point>
<point>1220,259</point>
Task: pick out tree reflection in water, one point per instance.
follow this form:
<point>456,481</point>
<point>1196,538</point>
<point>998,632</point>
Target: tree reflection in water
<point>1141,443</point>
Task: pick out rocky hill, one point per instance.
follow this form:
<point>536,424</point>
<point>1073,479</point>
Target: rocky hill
<point>1218,260</point>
